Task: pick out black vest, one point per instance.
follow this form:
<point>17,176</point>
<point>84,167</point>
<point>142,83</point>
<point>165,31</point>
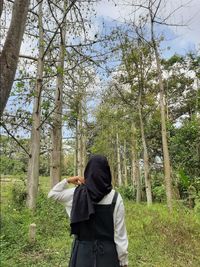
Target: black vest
<point>94,246</point>
<point>101,225</point>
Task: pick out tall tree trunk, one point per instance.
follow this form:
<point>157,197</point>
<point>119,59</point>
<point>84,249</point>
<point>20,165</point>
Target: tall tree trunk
<point>83,133</point>
<point>135,165</point>
<point>76,148</point>
<point>79,140</point>
<point>1,7</point>
<point>11,48</point>
<point>167,166</point>
<point>56,153</point>
<point>119,172</point>
<point>125,165</point>
<point>75,169</point>
<point>147,176</point>
<point>33,165</point>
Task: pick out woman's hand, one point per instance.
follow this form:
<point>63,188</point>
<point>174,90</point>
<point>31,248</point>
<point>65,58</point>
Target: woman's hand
<point>77,180</point>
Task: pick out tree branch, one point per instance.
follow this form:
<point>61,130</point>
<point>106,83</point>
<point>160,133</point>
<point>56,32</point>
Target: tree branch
<point>9,133</point>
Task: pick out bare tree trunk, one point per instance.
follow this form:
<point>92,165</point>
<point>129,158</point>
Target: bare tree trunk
<point>83,133</point>
<point>125,165</point>
<point>76,148</point>
<point>135,166</point>
<point>79,140</point>
<point>119,171</point>
<point>11,48</point>
<point>56,153</point>
<point>1,7</point>
<point>167,166</point>
<point>75,162</point>
<point>81,137</point>
<point>147,176</point>
<point>33,165</point>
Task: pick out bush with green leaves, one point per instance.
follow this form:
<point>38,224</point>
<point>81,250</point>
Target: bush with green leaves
<point>127,192</point>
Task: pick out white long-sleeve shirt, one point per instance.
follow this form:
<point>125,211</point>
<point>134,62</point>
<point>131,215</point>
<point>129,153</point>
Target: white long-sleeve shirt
<point>61,193</point>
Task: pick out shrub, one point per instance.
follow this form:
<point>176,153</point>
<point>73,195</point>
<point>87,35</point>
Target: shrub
<point>127,192</point>
<point>159,194</point>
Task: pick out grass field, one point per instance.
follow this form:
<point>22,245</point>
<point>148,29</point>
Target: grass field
<point>156,238</point>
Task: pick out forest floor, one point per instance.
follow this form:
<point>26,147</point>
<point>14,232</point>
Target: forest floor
<point>156,238</point>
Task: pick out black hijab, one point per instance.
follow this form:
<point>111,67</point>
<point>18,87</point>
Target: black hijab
<point>97,184</point>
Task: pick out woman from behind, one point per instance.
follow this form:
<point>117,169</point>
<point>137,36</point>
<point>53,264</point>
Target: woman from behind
<point>96,212</point>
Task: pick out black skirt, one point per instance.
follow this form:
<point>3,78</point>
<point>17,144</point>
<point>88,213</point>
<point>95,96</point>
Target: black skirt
<point>94,254</point>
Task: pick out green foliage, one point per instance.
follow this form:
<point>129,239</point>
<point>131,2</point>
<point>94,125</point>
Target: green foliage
<point>159,194</point>
<point>18,195</point>
<point>52,232</point>
<point>11,166</point>
<point>184,147</point>
<point>184,179</point>
<point>127,192</point>
<point>197,204</point>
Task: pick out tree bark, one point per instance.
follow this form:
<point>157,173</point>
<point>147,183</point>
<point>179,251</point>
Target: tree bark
<point>147,176</point>
<point>56,153</point>
<point>33,165</point>
<point>135,165</point>
<point>1,7</point>
<point>167,165</point>
<point>11,48</point>
<point>79,140</point>
<point>125,165</point>
<point>119,171</point>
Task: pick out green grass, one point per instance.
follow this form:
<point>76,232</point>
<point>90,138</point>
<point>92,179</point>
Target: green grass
<point>156,238</point>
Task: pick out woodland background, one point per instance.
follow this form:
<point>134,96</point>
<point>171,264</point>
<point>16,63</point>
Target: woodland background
<point>74,84</point>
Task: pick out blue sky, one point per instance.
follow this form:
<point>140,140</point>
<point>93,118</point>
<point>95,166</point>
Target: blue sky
<point>180,39</point>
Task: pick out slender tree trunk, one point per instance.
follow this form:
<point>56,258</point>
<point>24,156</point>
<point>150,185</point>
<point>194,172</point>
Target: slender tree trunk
<point>83,133</point>
<point>167,166</point>
<point>119,172</point>
<point>81,137</point>
<point>1,7</point>
<point>76,148</point>
<point>75,163</point>
<point>33,165</point>
<point>135,165</point>
<point>11,48</point>
<point>56,154</point>
<point>146,159</point>
<point>125,165</point>
<point>79,140</point>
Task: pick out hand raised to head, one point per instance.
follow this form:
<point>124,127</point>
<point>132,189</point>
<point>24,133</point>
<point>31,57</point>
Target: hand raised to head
<point>76,180</point>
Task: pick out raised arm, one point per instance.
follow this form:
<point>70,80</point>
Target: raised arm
<point>61,193</point>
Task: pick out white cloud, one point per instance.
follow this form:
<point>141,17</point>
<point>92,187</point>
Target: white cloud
<point>189,14</point>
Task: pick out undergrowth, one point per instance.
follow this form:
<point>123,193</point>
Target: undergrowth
<point>156,238</point>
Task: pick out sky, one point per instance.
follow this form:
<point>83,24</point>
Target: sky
<point>180,39</point>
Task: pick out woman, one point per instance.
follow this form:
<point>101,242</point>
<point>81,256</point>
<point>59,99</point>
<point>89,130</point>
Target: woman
<point>97,217</point>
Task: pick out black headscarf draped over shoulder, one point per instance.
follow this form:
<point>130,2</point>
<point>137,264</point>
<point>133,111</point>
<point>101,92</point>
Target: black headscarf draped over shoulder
<point>97,184</point>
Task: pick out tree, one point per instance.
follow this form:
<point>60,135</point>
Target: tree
<point>33,166</point>
<point>11,48</point>
<point>56,152</point>
<point>151,10</point>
